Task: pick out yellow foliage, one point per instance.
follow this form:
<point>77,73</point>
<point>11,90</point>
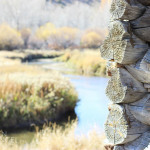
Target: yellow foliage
<point>9,37</point>
<point>64,37</point>
<point>45,31</point>
<point>68,33</point>
<point>87,62</point>
<point>91,39</point>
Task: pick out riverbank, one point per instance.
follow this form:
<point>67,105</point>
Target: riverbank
<point>19,56</point>
<point>56,138</point>
<point>30,95</point>
<point>84,62</point>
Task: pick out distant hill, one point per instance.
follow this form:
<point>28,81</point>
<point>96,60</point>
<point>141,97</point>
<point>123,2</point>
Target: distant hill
<point>64,2</point>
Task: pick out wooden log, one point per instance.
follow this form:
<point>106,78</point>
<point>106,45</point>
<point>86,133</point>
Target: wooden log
<point>144,2</point>
<point>121,45</point>
<point>121,127</point>
<point>126,9</point>
<point>147,86</point>
<point>123,87</point>
<point>141,26</point>
<point>141,70</point>
<point>140,143</point>
<point>141,109</point>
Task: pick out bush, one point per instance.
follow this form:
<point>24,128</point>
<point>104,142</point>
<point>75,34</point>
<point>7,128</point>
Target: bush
<point>45,31</point>
<point>35,42</point>
<point>58,38</point>
<point>91,39</point>
<point>34,97</point>
<point>9,38</point>
<point>25,34</point>
<point>87,62</point>
<point>64,37</point>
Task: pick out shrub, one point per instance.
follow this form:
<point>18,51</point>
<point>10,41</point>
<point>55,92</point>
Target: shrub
<point>91,39</point>
<point>9,38</point>
<point>87,62</point>
<point>34,97</point>
<point>45,31</point>
<point>25,34</point>
<point>35,42</point>
<point>65,37</point>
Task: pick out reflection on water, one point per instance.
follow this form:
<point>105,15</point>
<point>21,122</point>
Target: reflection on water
<point>92,107</point>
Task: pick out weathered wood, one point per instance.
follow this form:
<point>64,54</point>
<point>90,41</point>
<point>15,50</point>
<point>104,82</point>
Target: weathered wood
<point>121,45</point>
<point>141,109</point>
<point>127,48</point>
<point>126,9</point>
<point>144,2</point>
<point>147,86</point>
<point>140,74</point>
<point>139,144</point>
<point>141,70</point>
<point>123,87</point>
<point>121,127</point>
<point>141,26</point>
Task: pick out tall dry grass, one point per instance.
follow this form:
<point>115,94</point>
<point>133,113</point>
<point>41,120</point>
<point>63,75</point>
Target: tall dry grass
<point>87,62</point>
<point>57,138</point>
<point>31,95</point>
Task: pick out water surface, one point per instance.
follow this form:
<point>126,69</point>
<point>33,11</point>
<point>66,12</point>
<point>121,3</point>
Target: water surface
<point>91,110</point>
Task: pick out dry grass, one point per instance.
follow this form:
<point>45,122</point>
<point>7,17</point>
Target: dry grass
<point>57,138</point>
<point>32,95</point>
<point>87,62</point>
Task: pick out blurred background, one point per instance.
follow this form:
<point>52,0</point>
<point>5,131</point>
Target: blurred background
<point>52,77</point>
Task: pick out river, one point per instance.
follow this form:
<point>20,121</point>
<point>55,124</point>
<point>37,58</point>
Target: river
<point>91,110</point>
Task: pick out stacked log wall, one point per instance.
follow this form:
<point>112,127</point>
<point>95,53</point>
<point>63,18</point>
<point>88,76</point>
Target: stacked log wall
<point>127,48</point>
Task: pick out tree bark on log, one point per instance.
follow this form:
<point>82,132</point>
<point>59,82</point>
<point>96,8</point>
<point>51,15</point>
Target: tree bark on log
<point>121,45</point>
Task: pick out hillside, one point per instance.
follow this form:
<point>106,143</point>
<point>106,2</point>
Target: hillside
<point>64,2</point>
